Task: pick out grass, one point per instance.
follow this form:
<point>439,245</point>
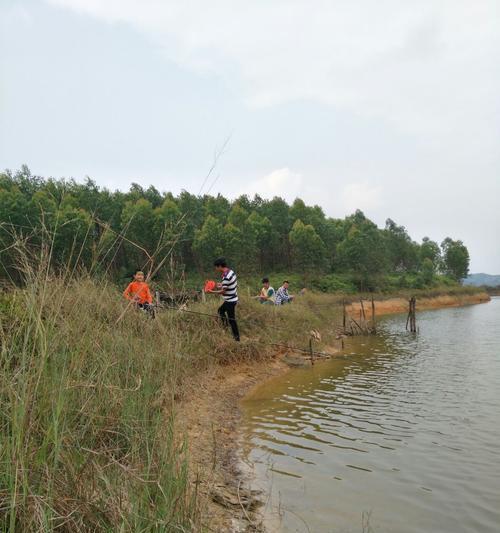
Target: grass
<point>85,444</point>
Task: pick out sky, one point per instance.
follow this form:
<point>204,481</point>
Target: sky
<point>392,107</point>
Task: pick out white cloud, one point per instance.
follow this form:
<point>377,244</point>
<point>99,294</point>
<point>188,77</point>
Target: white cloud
<point>426,66</point>
<point>280,182</point>
<point>360,196</point>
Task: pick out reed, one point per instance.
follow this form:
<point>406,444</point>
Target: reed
<point>87,438</point>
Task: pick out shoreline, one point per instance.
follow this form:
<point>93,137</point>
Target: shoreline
<point>211,412</point>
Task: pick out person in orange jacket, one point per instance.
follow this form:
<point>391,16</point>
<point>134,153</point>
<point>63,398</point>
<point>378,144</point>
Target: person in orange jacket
<point>138,292</point>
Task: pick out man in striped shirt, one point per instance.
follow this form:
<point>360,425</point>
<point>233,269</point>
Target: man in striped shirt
<point>229,291</point>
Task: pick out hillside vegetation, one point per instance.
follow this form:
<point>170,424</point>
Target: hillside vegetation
<point>176,238</point>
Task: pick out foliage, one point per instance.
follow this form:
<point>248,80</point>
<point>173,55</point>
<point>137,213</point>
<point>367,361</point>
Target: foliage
<point>308,250</point>
<point>144,228</point>
<point>455,259</point>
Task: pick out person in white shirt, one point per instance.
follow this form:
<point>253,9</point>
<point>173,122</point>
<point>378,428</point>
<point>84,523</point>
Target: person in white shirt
<point>267,293</point>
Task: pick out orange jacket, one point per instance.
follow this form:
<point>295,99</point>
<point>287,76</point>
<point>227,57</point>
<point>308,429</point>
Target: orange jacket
<point>138,291</point>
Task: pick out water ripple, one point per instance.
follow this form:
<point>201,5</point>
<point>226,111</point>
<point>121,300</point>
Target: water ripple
<point>409,425</point>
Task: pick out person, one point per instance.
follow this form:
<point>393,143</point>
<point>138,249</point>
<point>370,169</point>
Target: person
<point>267,293</point>
<point>228,288</point>
<point>138,292</point>
<point>282,296</point>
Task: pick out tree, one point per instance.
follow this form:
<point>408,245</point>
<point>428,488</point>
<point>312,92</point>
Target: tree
<point>430,250</point>
<point>238,217</point>
<point>239,248</point>
<point>401,250</point>
<point>72,239</point>
<point>208,242</point>
<point>428,271</point>
<point>261,230</point>
<point>308,250</point>
<point>138,223</point>
<point>362,249</point>
<point>169,226</point>
<point>278,212</point>
<point>308,215</point>
<point>217,207</point>
<point>455,259</point>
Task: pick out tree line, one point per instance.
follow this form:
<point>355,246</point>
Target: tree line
<point>90,226</point>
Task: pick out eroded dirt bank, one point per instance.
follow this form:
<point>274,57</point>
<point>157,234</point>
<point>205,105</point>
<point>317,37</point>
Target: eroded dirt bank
<point>209,413</point>
<point>400,305</point>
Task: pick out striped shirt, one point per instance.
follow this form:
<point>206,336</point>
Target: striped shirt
<point>230,286</point>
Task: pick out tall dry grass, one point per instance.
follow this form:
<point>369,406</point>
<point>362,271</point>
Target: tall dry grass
<point>86,440</point>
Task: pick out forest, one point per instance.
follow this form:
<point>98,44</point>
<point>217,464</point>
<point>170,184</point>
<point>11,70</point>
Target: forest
<point>113,232</point>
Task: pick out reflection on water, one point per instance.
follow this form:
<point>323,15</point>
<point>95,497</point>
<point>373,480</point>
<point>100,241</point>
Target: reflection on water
<point>407,429</point>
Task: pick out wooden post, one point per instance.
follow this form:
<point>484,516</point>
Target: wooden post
<point>311,351</point>
<point>412,315</point>
<point>343,322</point>
<point>362,309</point>
<point>374,323</point>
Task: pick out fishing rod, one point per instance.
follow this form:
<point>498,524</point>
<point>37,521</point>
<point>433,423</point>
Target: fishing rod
<point>276,344</point>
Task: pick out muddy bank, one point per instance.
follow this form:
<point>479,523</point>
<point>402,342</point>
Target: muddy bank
<point>209,414</point>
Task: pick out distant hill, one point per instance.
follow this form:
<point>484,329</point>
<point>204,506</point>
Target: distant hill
<point>483,279</point>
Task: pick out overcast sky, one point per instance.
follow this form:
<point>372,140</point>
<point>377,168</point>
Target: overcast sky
<point>392,106</point>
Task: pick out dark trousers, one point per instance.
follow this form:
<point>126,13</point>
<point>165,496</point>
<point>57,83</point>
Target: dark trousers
<point>149,308</point>
<point>227,313</point>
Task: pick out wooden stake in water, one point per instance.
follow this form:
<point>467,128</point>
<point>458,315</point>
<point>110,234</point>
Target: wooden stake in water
<point>412,312</point>
<point>374,324</point>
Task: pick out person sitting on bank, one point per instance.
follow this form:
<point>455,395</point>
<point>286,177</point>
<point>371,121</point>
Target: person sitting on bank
<point>267,293</point>
<point>228,288</point>
<point>282,295</point>
<point>138,292</point>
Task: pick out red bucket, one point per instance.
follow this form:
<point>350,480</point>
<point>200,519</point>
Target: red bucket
<point>210,285</point>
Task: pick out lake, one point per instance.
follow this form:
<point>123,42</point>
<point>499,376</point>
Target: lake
<point>402,435</point>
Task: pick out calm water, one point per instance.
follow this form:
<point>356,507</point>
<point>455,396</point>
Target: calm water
<point>403,434</point>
